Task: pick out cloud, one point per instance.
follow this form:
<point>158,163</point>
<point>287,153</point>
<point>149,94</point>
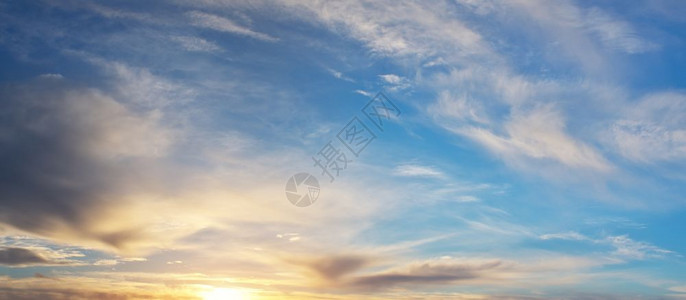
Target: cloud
<point>417,171</point>
<point>133,259</point>
<point>515,117</point>
<point>425,273</point>
<point>587,37</point>
<point>140,87</point>
<point>616,34</point>
<point>473,91</point>
<point>106,262</point>
<point>396,29</point>
<point>196,44</point>
<point>108,12</point>
<point>105,285</point>
<point>347,271</point>
<point>586,25</point>
<point>119,184</point>
<point>51,76</point>
<point>651,130</point>
<point>538,133</point>
<point>364,93</point>
<point>21,257</point>
<point>624,247</point>
<point>67,153</point>
<point>86,167</point>
<point>15,256</point>
<point>225,25</point>
<point>58,293</point>
<point>395,82</point>
<point>619,222</point>
<point>467,198</point>
<point>462,108</point>
<point>334,267</point>
<point>630,249</point>
<point>392,78</point>
<point>339,75</point>
<point>572,236</point>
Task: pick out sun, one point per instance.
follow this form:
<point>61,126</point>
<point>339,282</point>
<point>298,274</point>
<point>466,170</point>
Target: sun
<point>226,294</point>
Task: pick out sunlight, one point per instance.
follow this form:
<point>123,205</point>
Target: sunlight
<point>226,294</point>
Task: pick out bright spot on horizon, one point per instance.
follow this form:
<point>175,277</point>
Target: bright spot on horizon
<point>226,294</point>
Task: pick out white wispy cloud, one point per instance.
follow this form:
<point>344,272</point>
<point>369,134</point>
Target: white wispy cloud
<point>624,247</point>
<point>417,171</point>
<point>539,134</point>
<point>140,86</point>
<point>459,107</point>
<point>392,78</point>
<point>339,75</point>
<point>467,198</point>
<point>573,236</point>
<point>106,262</point>
<point>364,93</point>
<point>585,25</point>
<point>430,33</point>
<point>627,248</point>
<point>619,222</point>
<point>51,76</point>
<point>653,129</point>
<point>616,34</point>
<point>396,29</point>
<point>395,82</point>
<point>218,23</point>
<point>197,44</point>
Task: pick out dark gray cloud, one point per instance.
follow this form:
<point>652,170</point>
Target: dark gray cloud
<point>424,274</point>
<point>39,275</point>
<point>67,154</point>
<point>334,267</point>
<point>347,271</point>
<point>76,294</point>
<point>21,257</point>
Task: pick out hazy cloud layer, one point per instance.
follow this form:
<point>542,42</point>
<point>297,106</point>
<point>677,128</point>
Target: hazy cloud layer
<point>21,257</point>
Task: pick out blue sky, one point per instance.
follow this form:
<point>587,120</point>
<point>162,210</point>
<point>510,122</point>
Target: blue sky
<point>539,151</point>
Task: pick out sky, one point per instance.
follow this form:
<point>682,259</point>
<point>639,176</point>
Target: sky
<point>306,149</point>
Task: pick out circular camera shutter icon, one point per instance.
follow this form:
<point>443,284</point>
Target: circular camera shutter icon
<point>302,189</point>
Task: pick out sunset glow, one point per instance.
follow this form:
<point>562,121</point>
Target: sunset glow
<point>225,294</point>
<point>342,149</point>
